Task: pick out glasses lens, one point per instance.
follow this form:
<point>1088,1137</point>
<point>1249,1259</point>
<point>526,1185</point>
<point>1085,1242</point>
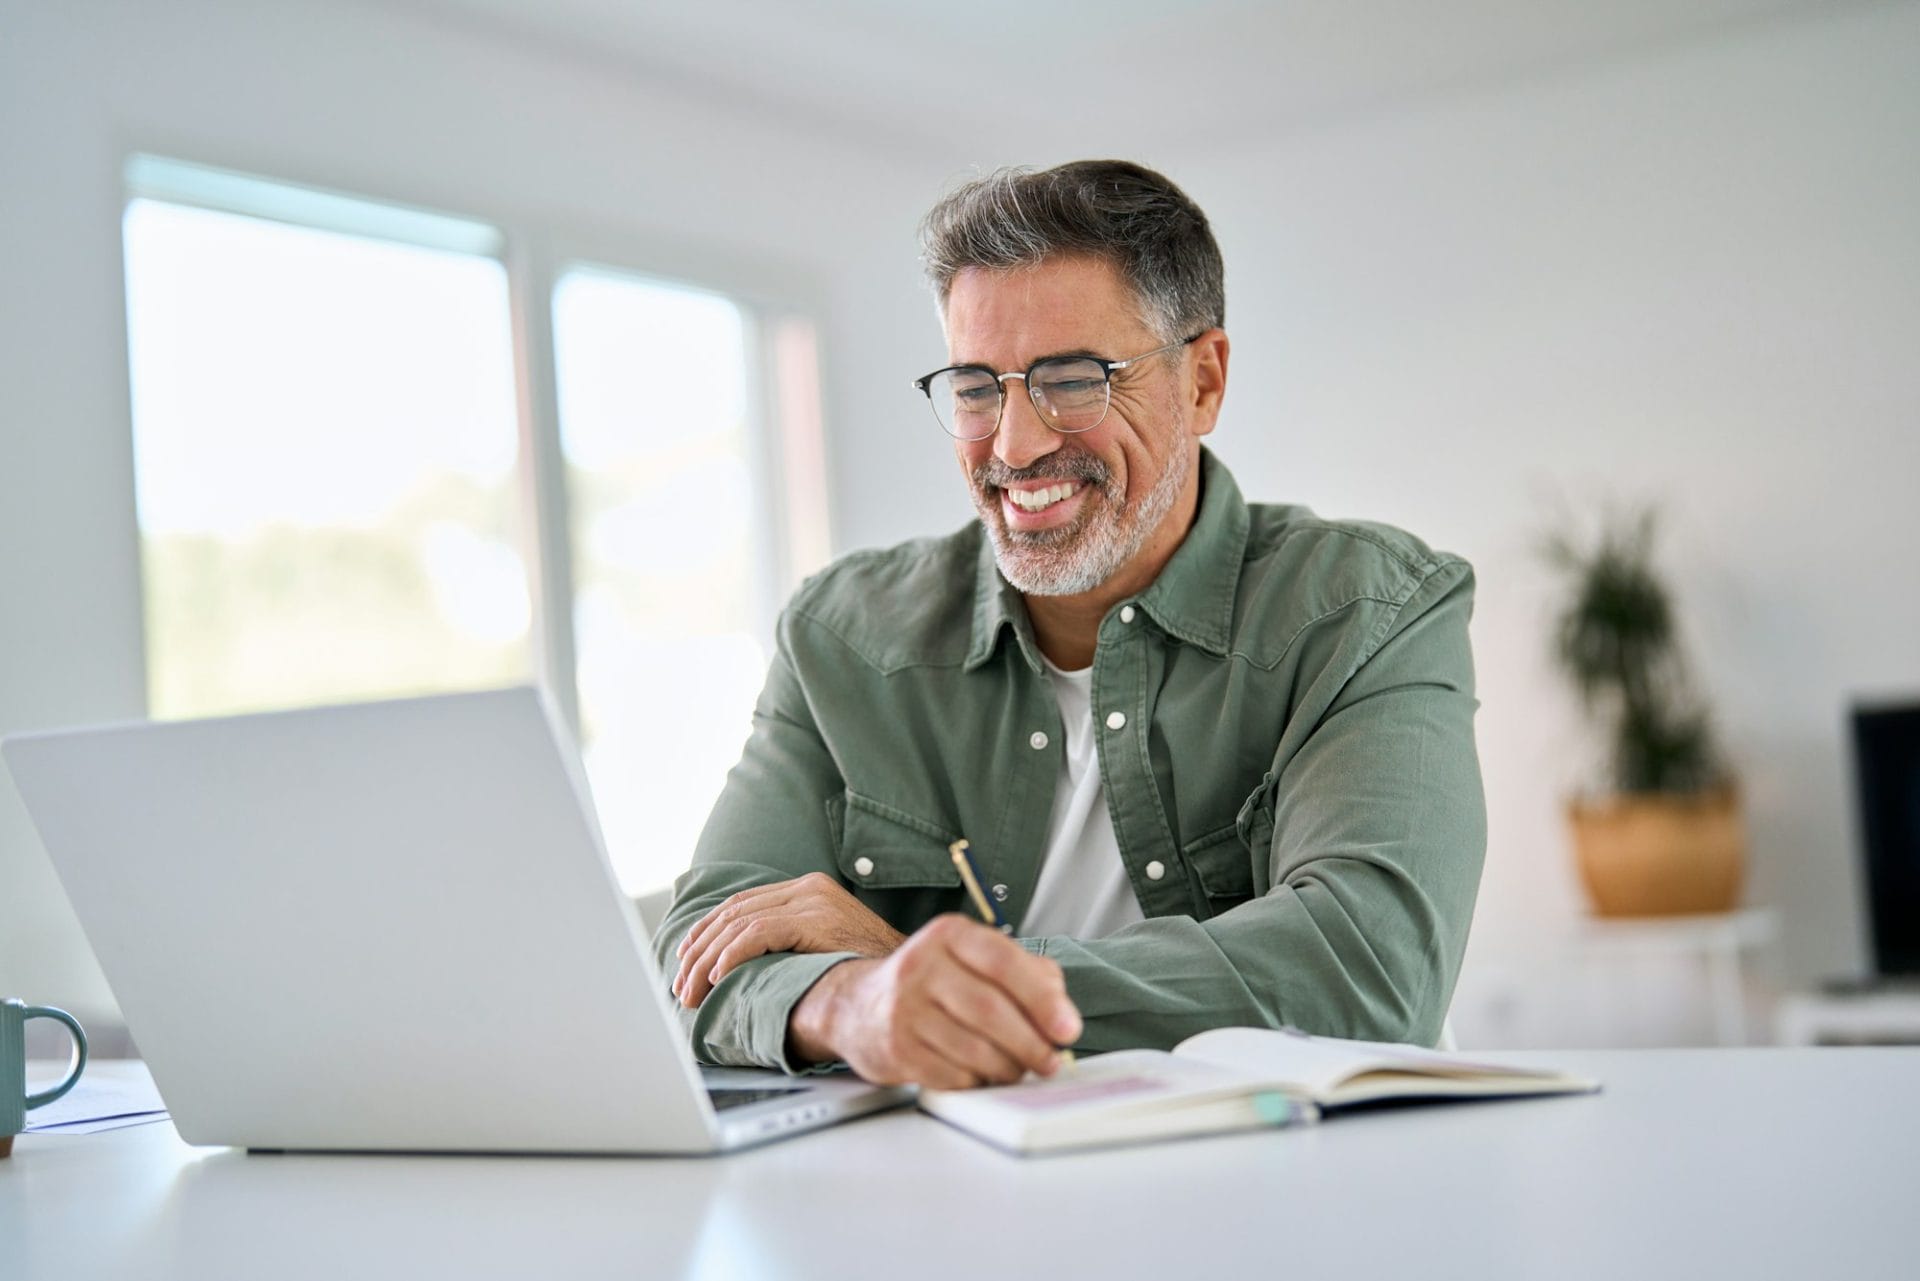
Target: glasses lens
<point>1071,393</point>
<point>966,401</point>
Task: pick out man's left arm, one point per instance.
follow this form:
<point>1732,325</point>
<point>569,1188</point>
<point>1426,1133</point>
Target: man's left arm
<point>1379,831</point>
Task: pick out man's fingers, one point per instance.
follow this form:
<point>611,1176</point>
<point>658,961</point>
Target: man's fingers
<point>689,965</point>
<point>932,1069</point>
<point>739,909</point>
<point>813,913</point>
<point>768,934</point>
<point>983,1011</point>
<point>692,984</point>
<point>1034,982</point>
<point>707,926</point>
<point>731,908</point>
<point>701,926</point>
<point>959,1059</point>
<point>754,899</point>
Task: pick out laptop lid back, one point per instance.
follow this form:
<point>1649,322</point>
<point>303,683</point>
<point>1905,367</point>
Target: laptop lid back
<point>386,926</point>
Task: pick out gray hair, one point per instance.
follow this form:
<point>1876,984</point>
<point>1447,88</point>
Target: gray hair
<point>1125,213</point>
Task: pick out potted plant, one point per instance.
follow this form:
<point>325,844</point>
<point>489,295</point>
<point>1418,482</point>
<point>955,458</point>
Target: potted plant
<point>1665,835</point>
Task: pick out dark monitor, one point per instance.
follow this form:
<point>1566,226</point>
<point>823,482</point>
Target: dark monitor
<point>1886,754</point>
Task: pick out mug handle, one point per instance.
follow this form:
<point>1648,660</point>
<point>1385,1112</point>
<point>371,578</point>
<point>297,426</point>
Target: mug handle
<point>75,1064</point>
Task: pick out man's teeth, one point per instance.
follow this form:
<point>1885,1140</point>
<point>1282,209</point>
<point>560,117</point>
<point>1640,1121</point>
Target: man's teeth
<point>1034,499</point>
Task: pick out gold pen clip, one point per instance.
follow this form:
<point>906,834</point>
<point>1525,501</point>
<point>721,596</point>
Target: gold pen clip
<point>964,865</point>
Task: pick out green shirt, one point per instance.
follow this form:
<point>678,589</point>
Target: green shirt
<point>1285,730</point>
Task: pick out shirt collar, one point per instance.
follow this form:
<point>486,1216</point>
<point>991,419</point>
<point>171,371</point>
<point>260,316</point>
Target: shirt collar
<point>1191,599</point>
<point>996,607</point>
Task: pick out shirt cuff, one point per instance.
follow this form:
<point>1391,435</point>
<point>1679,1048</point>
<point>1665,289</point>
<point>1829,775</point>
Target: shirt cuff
<point>751,1027</point>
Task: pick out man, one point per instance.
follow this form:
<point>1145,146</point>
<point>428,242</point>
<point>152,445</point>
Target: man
<point>1215,761</point>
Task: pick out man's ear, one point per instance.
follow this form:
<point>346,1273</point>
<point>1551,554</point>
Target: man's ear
<point>1210,351</point>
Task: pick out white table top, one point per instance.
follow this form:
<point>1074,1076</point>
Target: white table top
<point>1693,1163</point>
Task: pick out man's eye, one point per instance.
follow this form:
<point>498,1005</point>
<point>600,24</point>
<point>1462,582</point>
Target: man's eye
<point>1071,387</point>
<point>972,397</point>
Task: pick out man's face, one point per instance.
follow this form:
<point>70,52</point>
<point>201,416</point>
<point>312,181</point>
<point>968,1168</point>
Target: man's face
<point>1068,513</point>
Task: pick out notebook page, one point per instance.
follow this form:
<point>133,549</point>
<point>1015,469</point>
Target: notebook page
<point>1317,1064</point>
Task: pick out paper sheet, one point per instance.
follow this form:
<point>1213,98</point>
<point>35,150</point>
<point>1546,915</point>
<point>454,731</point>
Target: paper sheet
<point>101,1102</point>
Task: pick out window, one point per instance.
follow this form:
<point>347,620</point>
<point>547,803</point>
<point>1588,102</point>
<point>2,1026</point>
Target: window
<point>324,445</point>
<point>653,383</point>
<point>335,450</point>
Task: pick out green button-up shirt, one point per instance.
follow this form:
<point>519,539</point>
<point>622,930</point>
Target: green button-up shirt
<point>1292,781</point>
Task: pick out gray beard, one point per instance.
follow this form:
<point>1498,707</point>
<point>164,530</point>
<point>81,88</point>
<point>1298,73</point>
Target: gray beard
<point>1076,558</point>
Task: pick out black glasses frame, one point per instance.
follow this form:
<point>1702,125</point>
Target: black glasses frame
<point>925,384</point>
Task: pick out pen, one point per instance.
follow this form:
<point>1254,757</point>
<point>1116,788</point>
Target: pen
<point>969,877</point>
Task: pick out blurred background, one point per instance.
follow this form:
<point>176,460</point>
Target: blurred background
<point>353,348</point>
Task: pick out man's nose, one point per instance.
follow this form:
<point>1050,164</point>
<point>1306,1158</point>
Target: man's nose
<point>1024,435</point>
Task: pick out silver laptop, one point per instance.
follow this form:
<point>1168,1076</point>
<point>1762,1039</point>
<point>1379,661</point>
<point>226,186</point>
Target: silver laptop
<point>385,927</point>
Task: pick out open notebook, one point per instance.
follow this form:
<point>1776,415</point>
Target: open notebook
<point>1234,1078</point>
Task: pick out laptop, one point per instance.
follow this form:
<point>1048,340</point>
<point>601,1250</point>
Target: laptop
<point>386,927</point>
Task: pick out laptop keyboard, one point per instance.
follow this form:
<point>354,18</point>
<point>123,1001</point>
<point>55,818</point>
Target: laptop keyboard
<point>724,1099</point>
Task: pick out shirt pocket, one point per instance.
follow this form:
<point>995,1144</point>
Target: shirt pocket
<point>1222,866</point>
<point>879,847</point>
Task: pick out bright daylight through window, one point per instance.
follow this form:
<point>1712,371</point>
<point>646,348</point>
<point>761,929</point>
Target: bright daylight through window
<point>328,451</point>
<point>653,413</point>
<point>324,450</point>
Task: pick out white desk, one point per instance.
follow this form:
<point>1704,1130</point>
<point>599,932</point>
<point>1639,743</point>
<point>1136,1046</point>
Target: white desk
<point>1694,1163</point>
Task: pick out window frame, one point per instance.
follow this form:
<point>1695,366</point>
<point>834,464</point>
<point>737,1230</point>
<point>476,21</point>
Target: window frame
<point>792,538</point>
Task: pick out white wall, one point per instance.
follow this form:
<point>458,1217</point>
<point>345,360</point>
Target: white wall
<point>369,101</point>
<point>1693,276</point>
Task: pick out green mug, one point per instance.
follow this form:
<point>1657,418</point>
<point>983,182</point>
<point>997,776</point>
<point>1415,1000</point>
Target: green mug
<point>14,1099</point>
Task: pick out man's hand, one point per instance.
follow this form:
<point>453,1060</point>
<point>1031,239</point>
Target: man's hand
<point>810,914</point>
<point>957,1005</point>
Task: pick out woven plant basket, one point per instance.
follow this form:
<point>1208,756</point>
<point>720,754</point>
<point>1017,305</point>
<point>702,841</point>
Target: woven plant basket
<point>1660,854</point>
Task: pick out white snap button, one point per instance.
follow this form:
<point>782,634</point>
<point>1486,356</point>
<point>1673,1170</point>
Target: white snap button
<point>1126,613</point>
<point>1156,870</point>
<point>1000,893</point>
<point>1038,740</point>
<point>1116,720</point>
<point>864,866</point>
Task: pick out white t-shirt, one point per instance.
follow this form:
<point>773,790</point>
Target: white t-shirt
<point>1083,890</point>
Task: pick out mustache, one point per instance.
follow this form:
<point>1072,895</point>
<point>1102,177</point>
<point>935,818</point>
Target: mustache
<point>995,474</point>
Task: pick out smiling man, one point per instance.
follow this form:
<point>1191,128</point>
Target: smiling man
<point>1214,760</point>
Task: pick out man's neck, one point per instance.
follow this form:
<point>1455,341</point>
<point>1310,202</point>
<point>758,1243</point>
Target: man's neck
<point>1067,628</point>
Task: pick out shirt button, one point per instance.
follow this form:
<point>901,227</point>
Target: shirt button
<point>1126,613</point>
<point>1000,893</point>
<point>1038,740</point>
<point>1116,720</point>
<point>1156,870</point>
<point>864,866</point>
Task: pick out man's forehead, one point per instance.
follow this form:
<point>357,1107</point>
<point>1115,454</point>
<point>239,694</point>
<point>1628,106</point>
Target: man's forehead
<point>1056,305</point>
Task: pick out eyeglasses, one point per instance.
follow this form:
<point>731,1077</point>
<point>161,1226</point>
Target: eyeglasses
<point>1070,393</point>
